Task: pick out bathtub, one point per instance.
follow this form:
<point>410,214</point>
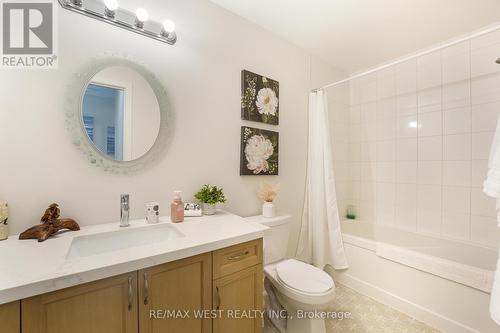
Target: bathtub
<point>444,283</point>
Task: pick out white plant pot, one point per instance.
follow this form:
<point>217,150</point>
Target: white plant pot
<point>209,209</point>
<point>268,209</point>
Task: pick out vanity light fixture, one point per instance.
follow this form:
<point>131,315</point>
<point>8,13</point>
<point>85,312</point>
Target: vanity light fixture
<point>111,7</point>
<point>108,11</point>
<point>168,30</point>
<point>141,16</point>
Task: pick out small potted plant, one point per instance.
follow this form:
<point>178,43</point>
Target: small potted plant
<point>210,196</point>
<point>267,193</point>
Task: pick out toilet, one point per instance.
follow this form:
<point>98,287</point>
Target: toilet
<point>302,289</point>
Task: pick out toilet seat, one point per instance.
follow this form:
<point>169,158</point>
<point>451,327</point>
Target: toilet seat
<point>303,278</point>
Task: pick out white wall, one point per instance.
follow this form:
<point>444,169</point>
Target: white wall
<point>420,136</point>
<point>201,73</point>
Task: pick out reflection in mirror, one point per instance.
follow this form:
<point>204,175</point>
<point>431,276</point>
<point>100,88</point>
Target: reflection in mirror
<point>120,113</point>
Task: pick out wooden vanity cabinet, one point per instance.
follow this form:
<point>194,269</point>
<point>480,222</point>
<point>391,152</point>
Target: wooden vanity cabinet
<point>237,288</point>
<point>184,287</point>
<point>153,300</point>
<point>104,306</point>
<point>10,317</point>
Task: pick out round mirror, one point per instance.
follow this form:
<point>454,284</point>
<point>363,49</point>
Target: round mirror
<point>120,113</point>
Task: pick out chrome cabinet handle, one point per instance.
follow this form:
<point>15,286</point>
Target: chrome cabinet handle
<point>130,292</point>
<point>146,289</point>
<point>217,297</point>
<point>238,256</point>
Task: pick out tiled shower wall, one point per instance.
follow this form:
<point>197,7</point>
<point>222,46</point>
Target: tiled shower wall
<point>418,138</point>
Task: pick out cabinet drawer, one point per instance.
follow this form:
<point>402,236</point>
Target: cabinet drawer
<point>235,258</point>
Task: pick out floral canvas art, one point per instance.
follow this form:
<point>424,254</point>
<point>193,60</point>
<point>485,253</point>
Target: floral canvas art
<point>259,98</point>
<point>259,152</point>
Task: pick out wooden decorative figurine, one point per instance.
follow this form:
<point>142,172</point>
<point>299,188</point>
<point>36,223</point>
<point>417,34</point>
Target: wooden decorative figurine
<point>51,224</point>
<point>4,216</point>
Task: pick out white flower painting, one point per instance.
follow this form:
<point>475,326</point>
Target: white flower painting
<point>259,98</point>
<point>259,152</point>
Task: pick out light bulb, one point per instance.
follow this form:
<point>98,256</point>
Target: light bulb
<point>168,26</point>
<point>142,15</point>
<point>111,4</point>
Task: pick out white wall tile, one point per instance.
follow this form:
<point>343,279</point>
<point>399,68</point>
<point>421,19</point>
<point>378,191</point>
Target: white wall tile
<point>483,60</point>
<point>386,108</point>
<point>407,104</point>
<point>386,151</point>
<point>386,129</point>
<point>481,145</point>
<point>430,172</point>
<point>386,172</point>
<point>369,131</point>
<point>429,222</point>
<point>479,172</point>
<point>386,83</point>
<point>456,95</point>
<point>406,149</point>
<point>485,230</point>
<point>368,151</point>
<point>369,112</point>
<point>429,100</point>
<point>456,199</point>
<point>355,114</point>
<point>430,124</point>
<point>406,172</point>
<point>456,121</point>
<point>407,126</point>
<point>485,117</point>
<point>456,225</point>
<point>406,77</point>
<point>481,204</point>
<point>368,171</point>
<point>457,147</point>
<point>429,198</point>
<point>456,63</point>
<point>484,89</point>
<point>429,70</point>
<point>430,148</point>
<point>424,142</point>
<point>456,173</point>
<point>368,191</point>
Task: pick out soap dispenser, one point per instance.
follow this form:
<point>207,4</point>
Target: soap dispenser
<point>177,208</point>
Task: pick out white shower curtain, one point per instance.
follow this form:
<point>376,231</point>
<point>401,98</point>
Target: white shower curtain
<point>492,188</point>
<point>320,240</point>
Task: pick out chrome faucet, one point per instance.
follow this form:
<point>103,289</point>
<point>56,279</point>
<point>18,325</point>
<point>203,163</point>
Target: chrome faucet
<point>124,210</point>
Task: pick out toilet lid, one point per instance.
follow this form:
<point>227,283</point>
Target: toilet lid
<point>304,277</point>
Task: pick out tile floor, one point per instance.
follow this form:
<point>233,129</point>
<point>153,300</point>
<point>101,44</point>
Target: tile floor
<point>369,316</point>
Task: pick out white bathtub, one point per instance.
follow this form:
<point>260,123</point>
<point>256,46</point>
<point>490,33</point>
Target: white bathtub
<point>444,283</point>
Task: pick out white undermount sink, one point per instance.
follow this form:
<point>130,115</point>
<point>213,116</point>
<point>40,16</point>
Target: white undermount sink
<point>89,245</point>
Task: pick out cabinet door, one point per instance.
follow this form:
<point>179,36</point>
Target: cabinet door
<point>239,291</point>
<point>167,291</point>
<point>10,317</point>
<point>105,306</point>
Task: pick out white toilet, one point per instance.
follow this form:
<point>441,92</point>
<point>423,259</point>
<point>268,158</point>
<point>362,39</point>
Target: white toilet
<point>301,288</point>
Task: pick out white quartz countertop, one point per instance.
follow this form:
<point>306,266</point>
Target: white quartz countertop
<point>29,268</point>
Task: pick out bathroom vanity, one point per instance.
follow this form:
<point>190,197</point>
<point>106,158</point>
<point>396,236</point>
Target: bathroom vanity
<point>214,264</point>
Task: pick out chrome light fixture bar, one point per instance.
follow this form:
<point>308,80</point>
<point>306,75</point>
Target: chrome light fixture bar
<point>109,12</point>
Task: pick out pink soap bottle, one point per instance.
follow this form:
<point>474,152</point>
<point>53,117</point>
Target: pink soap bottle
<point>177,208</point>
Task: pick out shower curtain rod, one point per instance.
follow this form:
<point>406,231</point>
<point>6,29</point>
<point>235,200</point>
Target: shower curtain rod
<point>476,34</point>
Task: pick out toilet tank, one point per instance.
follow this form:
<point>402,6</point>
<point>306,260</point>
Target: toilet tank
<point>276,237</point>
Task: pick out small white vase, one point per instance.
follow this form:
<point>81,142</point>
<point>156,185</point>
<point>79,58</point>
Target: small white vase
<point>268,209</point>
<point>208,209</point>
